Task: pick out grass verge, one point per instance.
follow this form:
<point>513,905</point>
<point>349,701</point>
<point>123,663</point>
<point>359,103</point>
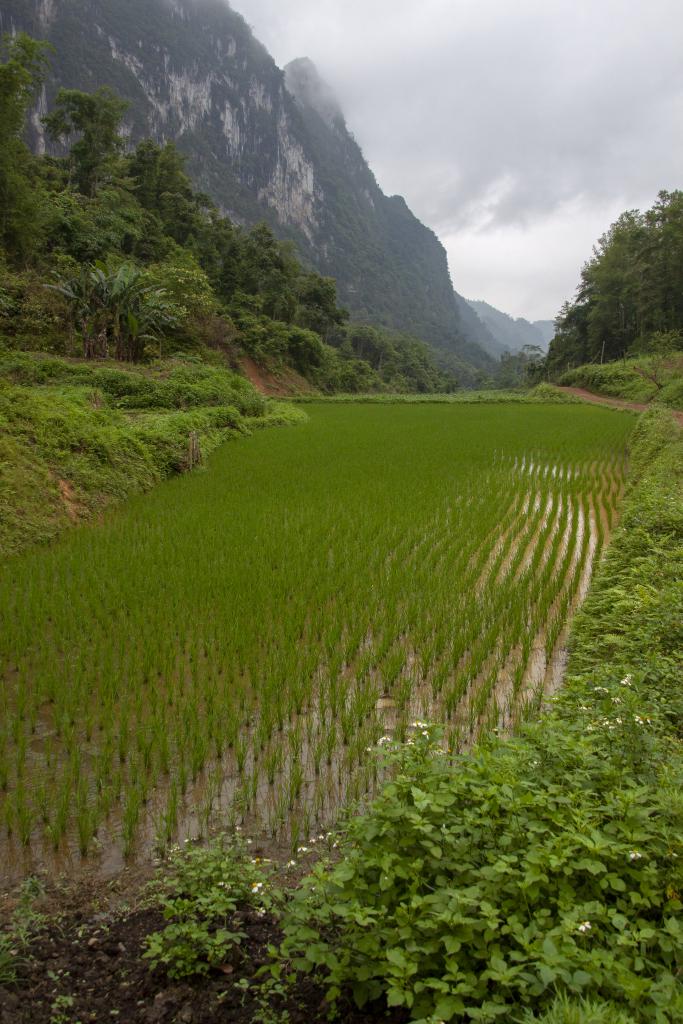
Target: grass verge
<point>647,379</point>
<point>76,436</point>
<point>541,394</point>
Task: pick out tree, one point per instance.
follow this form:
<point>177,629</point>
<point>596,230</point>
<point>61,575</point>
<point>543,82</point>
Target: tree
<point>317,303</point>
<point>112,304</point>
<point>21,200</point>
<point>96,117</point>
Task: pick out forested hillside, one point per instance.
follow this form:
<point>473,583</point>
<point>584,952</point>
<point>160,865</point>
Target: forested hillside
<point>263,148</point>
<point>107,251</point>
<point>630,297</point>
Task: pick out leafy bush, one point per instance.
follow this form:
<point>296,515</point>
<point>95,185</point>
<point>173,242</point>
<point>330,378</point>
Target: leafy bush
<point>492,881</point>
<point>199,891</point>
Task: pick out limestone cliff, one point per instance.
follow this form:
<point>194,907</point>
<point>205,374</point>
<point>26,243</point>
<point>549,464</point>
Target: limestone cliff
<point>264,143</point>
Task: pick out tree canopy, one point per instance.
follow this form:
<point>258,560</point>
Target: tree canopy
<point>630,292</point>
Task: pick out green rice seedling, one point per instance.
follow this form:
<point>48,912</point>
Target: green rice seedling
<point>307,574</point>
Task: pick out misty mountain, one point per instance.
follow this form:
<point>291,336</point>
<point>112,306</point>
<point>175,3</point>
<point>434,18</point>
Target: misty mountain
<point>265,144</point>
<point>509,334</point>
<point>547,329</point>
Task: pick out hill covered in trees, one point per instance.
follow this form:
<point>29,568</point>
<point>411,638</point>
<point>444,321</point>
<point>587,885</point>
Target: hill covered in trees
<point>264,144</point>
<point>630,297</point>
<point>111,251</point>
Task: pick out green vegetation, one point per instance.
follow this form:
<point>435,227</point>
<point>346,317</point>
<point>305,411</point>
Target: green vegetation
<point>545,871</point>
<point>77,435</point>
<point>233,641</point>
<point>542,394</point>
<point>630,298</point>
<point>199,890</point>
<point>656,378</point>
<point>107,253</point>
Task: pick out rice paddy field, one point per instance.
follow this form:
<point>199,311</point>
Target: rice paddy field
<point>230,648</point>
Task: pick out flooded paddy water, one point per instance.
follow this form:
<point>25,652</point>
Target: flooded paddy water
<point>228,650</point>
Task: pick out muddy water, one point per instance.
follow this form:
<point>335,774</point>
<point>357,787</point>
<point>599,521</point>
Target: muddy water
<point>282,808</point>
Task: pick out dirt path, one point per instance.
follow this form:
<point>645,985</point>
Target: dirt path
<point>616,403</point>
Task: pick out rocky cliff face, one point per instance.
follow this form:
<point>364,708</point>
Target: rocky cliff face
<point>264,143</point>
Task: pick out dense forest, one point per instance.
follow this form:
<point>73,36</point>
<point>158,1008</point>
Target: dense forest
<point>111,252</point>
<point>630,297</point>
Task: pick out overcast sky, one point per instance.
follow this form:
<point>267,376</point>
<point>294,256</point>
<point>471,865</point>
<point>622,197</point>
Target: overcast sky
<point>518,131</point>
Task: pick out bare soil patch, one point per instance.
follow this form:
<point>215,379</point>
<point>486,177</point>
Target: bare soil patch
<point>86,963</point>
<point>281,384</point>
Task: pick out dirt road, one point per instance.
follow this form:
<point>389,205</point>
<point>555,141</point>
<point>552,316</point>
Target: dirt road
<point>616,403</point>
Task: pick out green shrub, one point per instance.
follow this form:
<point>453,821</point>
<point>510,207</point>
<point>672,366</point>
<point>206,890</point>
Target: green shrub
<point>491,882</point>
<point>200,889</point>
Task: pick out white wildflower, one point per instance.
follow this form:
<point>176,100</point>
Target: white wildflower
<point>584,927</point>
<point>634,855</point>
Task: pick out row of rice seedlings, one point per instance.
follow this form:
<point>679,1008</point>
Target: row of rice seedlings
<point>173,678</point>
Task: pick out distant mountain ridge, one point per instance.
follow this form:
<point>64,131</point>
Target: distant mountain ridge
<point>266,144</point>
<point>511,334</point>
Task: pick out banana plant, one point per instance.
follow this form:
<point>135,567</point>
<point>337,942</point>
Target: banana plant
<point>112,304</point>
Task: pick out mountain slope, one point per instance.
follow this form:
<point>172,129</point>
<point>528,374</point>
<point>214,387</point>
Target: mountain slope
<point>547,329</point>
<point>510,335</point>
<point>264,144</point>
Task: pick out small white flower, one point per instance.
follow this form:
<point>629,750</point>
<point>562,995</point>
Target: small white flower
<point>302,849</point>
<point>626,681</point>
<point>256,886</point>
<point>383,740</point>
<point>291,863</point>
<point>584,927</point>
<point>616,700</point>
<point>634,855</point>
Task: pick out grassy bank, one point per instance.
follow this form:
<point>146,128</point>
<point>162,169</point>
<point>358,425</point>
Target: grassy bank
<point>647,379</point>
<point>76,436</point>
<point>542,394</point>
